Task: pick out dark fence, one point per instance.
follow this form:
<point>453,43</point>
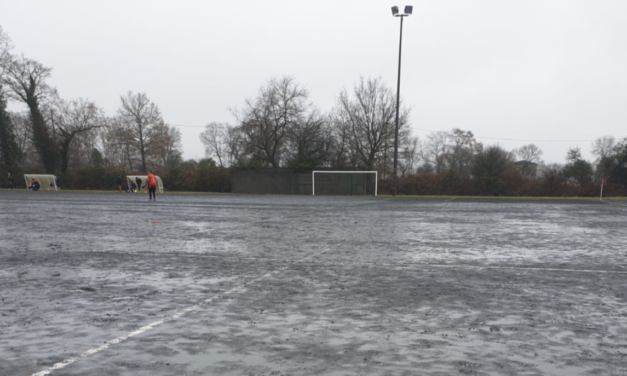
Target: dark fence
<point>288,181</point>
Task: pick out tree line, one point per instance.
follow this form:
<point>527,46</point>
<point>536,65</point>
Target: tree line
<point>278,127</point>
<point>55,135</point>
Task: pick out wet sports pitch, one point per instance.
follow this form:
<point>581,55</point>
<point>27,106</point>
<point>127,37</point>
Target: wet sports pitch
<point>111,284</point>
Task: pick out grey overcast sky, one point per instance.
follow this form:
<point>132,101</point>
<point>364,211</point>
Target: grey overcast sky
<point>527,70</point>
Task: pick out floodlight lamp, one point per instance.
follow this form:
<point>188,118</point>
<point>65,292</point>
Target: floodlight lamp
<point>394,10</point>
<point>408,9</point>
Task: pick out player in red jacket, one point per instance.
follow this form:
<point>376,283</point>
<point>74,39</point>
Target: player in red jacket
<point>152,186</point>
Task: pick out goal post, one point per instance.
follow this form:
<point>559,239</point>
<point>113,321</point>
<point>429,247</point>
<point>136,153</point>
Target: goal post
<point>142,178</point>
<point>364,174</point>
<point>48,182</point>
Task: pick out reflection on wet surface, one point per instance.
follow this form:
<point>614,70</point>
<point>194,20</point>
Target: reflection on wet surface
<point>375,299</point>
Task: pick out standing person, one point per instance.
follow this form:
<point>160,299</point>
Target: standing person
<point>139,184</point>
<point>118,181</point>
<point>10,180</point>
<point>151,181</point>
<point>57,181</point>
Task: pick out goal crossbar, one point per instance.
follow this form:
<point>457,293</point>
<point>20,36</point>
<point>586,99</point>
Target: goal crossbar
<point>45,181</point>
<point>313,178</point>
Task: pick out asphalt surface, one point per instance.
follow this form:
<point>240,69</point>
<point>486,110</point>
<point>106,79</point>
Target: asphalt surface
<point>112,284</point>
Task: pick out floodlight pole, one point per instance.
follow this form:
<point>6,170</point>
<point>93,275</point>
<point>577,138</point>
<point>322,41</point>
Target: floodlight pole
<point>398,97</point>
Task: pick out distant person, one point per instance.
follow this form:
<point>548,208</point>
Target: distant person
<point>118,182</point>
<point>151,181</point>
<point>57,181</point>
<point>10,179</point>
<point>132,188</point>
<point>35,185</point>
<point>139,183</point>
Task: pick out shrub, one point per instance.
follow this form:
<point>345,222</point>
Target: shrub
<point>175,180</point>
<point>94,177</point>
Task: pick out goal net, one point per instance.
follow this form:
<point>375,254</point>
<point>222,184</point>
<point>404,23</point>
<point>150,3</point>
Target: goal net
<point>143,184</point>
<point>40,182</point>
<point>344,183</point>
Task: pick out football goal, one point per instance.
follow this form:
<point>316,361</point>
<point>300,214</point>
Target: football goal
<point>344,183</point>
<point>133,179</point>
<point>36,182</point>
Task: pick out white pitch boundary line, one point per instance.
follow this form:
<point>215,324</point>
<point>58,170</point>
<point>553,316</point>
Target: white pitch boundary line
<point>174,316</point>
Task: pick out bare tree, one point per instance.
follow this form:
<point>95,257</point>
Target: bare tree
<point>265,121</point>
<point>454,151</point>
<point>340,157</point>
<point>26,81</point>
<point>435,150</point>
<point>224,142</point>
<point>9,150</point>
<point>603,147</point>
<point>235,141</point>
<point>5,53</point>
<point>140,118</point>
<point>461,150</point>
<point>88,147</point>
<point>409,156</point>
<point>529,153</point>
<point>573,154</point>
<point>117,144</point>
<point>368,118</point>
<point>310,140</point>
<point>215,140</point>
<point>165,144</point>
<point>71,118</point>
<point>23,129</point>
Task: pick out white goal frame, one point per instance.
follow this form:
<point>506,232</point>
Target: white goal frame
<point>313,178</point>
<point>132,178</point>
<point>46,182</point>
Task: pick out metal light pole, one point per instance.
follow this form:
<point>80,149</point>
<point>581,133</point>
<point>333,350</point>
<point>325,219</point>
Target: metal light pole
<point>407,12</point>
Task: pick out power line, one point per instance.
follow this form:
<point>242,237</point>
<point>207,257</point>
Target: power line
<point>511,139</point>
<point>187,126</point>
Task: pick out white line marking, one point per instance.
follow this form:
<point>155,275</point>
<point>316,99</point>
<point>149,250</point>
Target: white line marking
<point>174,316</point>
